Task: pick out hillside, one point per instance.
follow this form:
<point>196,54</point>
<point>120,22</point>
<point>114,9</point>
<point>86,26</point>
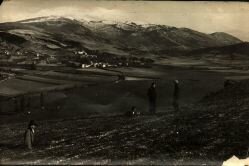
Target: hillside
<point>228,51</point>
<point>224,37</point>
<point>222,121</point>
<point>208,132</point>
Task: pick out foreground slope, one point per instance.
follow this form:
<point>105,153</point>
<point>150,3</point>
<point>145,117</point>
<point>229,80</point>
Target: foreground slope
<point>211,131</point>
<point>222,121</point>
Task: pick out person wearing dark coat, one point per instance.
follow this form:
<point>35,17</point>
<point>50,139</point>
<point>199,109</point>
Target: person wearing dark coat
<point>29,135</point>
<point>152,96</point>
<point>176,95</point>
<point>133,112</point>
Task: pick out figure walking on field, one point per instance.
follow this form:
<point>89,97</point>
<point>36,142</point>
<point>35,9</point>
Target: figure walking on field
<point>29,135</point>
<point>176,95</point>
<point>152,96</point>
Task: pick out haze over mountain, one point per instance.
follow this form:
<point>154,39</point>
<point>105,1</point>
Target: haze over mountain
<point>57,35</point>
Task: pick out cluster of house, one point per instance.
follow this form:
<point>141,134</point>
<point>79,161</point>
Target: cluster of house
<point>89,61</point>
<point>106,60</point>
<point>79,59</point>
<point>91,64</point>
<point>25,57</point>
<point>97,65</point>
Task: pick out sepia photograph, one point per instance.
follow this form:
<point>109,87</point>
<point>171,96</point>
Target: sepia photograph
<point>101,82</point>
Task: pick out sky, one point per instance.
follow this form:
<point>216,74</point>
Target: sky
<point>207,17</point>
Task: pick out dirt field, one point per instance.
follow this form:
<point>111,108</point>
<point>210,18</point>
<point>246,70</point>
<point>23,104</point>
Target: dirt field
<point>89,127</point>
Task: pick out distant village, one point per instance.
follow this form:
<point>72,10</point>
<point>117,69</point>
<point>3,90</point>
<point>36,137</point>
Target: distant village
<point>76,59</point>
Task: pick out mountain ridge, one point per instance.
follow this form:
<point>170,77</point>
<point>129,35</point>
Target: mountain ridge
<point>54,35</point>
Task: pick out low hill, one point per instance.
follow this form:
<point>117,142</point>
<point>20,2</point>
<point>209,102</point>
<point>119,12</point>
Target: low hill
<point>225,38</point>
<point>235,49</point>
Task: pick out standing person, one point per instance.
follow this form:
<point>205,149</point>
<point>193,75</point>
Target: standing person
<point>176,95</point>
<point>152,96</point>
<point>30,134</point>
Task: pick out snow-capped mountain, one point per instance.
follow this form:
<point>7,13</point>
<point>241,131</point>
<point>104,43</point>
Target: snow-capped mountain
<point>54,35</point>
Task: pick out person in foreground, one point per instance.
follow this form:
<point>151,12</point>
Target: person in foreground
<point>176,95</point>
<point>152,96</point>
<point>29,135</point>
